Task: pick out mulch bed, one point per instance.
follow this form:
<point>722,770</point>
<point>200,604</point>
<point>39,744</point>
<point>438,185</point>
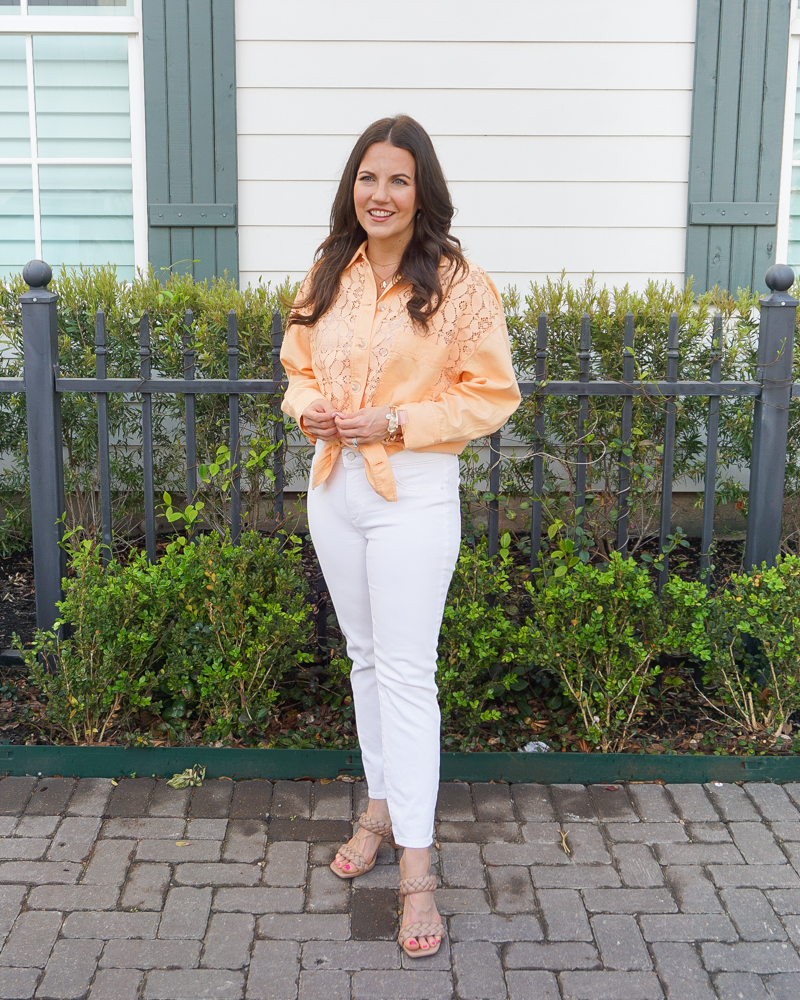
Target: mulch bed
<point>17,599</point>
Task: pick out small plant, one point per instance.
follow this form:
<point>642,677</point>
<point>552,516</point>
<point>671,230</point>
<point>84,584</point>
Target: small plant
<point>750,647</point>
<point>599,631</point>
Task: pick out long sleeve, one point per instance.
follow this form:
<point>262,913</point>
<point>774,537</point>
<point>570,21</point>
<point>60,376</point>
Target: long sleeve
<point>479,404</point>
<point>303,386</point>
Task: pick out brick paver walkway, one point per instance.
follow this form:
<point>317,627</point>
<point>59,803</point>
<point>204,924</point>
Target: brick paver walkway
<point>139,891</point>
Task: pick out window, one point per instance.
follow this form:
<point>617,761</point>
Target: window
<point>93,7</point>
<point>67,169</point>
<point>793,256</point>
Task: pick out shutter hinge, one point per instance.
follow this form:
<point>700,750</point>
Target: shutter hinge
<point>733,213</point>
<point>192,215</point>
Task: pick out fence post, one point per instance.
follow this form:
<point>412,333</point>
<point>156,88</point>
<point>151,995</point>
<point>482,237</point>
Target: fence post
<point>771,419</point>
<point>45,458</point>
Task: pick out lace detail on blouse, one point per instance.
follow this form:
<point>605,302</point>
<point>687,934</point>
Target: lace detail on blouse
<point>394,321</point>
<point>332,342</point>
<point>469,312</point>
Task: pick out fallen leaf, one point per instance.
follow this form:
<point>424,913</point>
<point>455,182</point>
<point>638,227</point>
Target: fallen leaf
<point>191,776</point>
<point>182,843</point>
<point>564,843</point>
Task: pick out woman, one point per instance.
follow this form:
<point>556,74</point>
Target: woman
<point>397,356</point>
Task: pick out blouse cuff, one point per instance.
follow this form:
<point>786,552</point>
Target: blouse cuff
<point>422,429</point>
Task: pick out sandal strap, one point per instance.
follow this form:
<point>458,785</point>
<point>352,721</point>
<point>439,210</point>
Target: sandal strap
<point>420,883</point>
<point>374,825</point>
<point>420,931</point>
<point>354,856</point>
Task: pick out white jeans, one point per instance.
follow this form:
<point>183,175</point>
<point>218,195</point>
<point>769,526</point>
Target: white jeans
<point>387,567</point>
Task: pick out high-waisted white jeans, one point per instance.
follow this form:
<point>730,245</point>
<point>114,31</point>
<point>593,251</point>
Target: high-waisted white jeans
<point>388,567</point>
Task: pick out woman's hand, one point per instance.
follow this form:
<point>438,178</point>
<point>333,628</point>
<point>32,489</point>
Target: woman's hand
<point>366,426</point>
<point>318,420</point>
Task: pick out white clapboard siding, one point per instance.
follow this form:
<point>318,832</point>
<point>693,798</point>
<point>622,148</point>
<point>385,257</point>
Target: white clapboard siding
<point>479,204</point>
<point>303,111</point>
<point>459,65</point>
<point>563,128</point>
<point>521,20</point>
<point>578,158</point>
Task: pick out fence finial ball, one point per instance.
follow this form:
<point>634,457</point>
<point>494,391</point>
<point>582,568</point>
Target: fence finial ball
<point>779,278</point>
<point>37,274</point>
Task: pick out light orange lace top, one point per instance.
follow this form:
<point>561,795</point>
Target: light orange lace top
<point>454,378</point>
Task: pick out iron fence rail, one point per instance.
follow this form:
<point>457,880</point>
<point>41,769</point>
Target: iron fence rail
<point>771,391</point>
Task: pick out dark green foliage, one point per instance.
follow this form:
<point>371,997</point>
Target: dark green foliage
<point>480,658</point>
<point>598,629</point>
<point>748,645</point>
<point>564,305</point>
<point>81,293</point>
<point>206,633</point>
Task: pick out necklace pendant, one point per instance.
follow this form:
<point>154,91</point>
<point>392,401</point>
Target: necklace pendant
<point>383,284</point>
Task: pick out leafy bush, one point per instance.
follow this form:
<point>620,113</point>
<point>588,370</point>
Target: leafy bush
<point>563,305</point>
<point>81,293</point>
<point>750,646</point>
<point>206,633</point>
<point>598,629</point>
<point>479,651</point>
<point>166,297</point>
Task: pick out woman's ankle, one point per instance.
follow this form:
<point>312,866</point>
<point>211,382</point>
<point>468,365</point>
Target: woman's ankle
<point>415,861</point>
<point>378,809</point>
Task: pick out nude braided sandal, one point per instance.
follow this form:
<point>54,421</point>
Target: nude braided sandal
<point>360,864</point>
<point>422,883</point>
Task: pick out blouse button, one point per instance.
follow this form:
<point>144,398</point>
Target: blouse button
<point>362,344</point>
<point>355,387</point>
<point>381,307</point>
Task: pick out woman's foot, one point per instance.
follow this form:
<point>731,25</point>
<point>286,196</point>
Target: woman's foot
<point>364,841</point>
<point>419,907</point>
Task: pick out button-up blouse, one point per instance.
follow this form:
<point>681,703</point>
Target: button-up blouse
<point>453,377</point>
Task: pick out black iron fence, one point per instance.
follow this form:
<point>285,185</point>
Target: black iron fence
<point>771,391</point>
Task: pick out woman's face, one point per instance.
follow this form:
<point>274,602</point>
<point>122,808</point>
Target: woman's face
<point>385,194</point>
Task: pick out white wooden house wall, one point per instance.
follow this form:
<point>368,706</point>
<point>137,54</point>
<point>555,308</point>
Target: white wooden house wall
<point>562,125</point>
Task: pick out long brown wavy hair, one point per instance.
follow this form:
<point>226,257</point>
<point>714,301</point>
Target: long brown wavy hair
<point>431,243</point>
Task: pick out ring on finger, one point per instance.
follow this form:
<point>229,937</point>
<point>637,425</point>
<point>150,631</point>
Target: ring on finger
<point>354,442</point>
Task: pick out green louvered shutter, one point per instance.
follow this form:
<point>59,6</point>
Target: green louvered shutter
<point>190,123</point>
<point>737,127</point>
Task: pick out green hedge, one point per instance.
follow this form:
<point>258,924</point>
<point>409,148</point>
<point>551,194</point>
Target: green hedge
<point>219,638</point>
<point>564,306</point>
<point>83,291</point>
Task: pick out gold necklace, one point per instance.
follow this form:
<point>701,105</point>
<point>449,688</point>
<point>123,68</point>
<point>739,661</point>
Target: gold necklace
<point>384,281</point>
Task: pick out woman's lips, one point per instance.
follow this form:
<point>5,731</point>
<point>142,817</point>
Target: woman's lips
<point>380,218</point>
